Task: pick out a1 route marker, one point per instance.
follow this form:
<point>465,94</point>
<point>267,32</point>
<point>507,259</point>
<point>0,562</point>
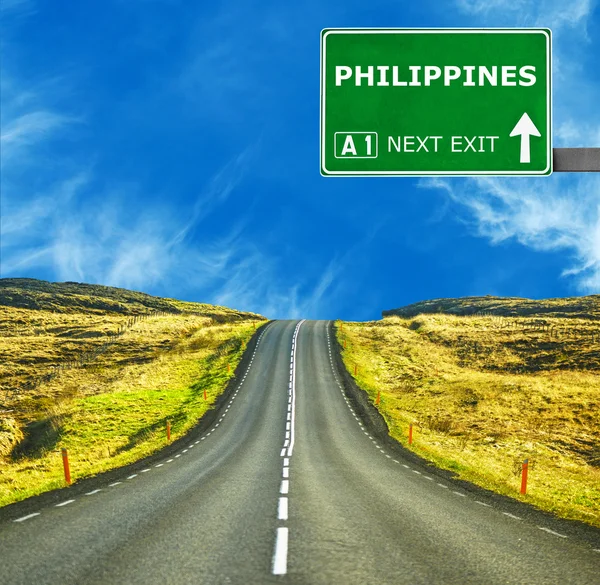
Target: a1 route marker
<point>436,102</point>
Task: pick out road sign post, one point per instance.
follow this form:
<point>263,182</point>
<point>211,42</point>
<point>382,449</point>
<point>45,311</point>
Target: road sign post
<point>436,102</point>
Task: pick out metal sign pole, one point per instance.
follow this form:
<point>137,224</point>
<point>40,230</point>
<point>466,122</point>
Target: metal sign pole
<point>576,160</point>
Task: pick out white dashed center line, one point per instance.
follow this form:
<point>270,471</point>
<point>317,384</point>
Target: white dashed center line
<point>282,513</point>
<point>281,550</point>
<point>281,542</point>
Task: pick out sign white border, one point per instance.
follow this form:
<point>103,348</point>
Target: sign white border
<point>545,31</point>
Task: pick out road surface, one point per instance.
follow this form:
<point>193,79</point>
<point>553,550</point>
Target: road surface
<point>288,486</point>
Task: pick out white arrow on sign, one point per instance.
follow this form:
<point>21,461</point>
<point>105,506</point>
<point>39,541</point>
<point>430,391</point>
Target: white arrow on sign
<point>525,128</point>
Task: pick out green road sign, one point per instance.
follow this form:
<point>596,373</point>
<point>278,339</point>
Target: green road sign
<point>436,102</point>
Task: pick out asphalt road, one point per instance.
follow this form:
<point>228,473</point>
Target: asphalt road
<point>286,486</point>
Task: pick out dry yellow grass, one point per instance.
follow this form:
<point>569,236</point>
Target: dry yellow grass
<point>110,408</point>
<point>485,393</point>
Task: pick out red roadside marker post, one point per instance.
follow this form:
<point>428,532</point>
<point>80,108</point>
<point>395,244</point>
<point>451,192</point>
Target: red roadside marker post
<point>378,399</point>
<point>410,436</point>
<point>65,460</point>
<point>524,471</point>
<point>204,393</point>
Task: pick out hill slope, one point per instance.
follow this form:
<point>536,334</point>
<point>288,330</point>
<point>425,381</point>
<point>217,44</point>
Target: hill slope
<point>575,308</point>
<point>73,297</point>
<point>484,391</point>
<point>99,370</point>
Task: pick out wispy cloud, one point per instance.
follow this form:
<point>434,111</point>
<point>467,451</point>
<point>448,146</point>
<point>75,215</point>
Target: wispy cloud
<point>555,14</point>
<point>106,242</point>
<point>16,7</point>
<point>218,191</point>
<point>561,215</point>
<point>253,282</point>
<point>27,130</point>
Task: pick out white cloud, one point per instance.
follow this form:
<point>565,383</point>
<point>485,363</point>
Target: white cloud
<point>27,131</point>
<point>559,214</point>
<point>554,14</point>
<point>26,122</point>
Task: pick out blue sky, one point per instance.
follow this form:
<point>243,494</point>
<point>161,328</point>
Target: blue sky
<point>173,147</point>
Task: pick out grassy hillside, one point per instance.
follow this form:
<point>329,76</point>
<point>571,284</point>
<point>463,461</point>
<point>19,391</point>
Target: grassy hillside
<point>485,392</point>
<point>99,370</point>
<point>576,307</point>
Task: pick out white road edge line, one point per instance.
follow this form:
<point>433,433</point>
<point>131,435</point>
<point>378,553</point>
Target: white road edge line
<point>64,504</point>
<point>552,532</point>
<point>27,517</point>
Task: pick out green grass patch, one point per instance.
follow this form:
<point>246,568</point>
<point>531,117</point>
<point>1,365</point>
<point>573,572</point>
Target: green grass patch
<point>127,420</point>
